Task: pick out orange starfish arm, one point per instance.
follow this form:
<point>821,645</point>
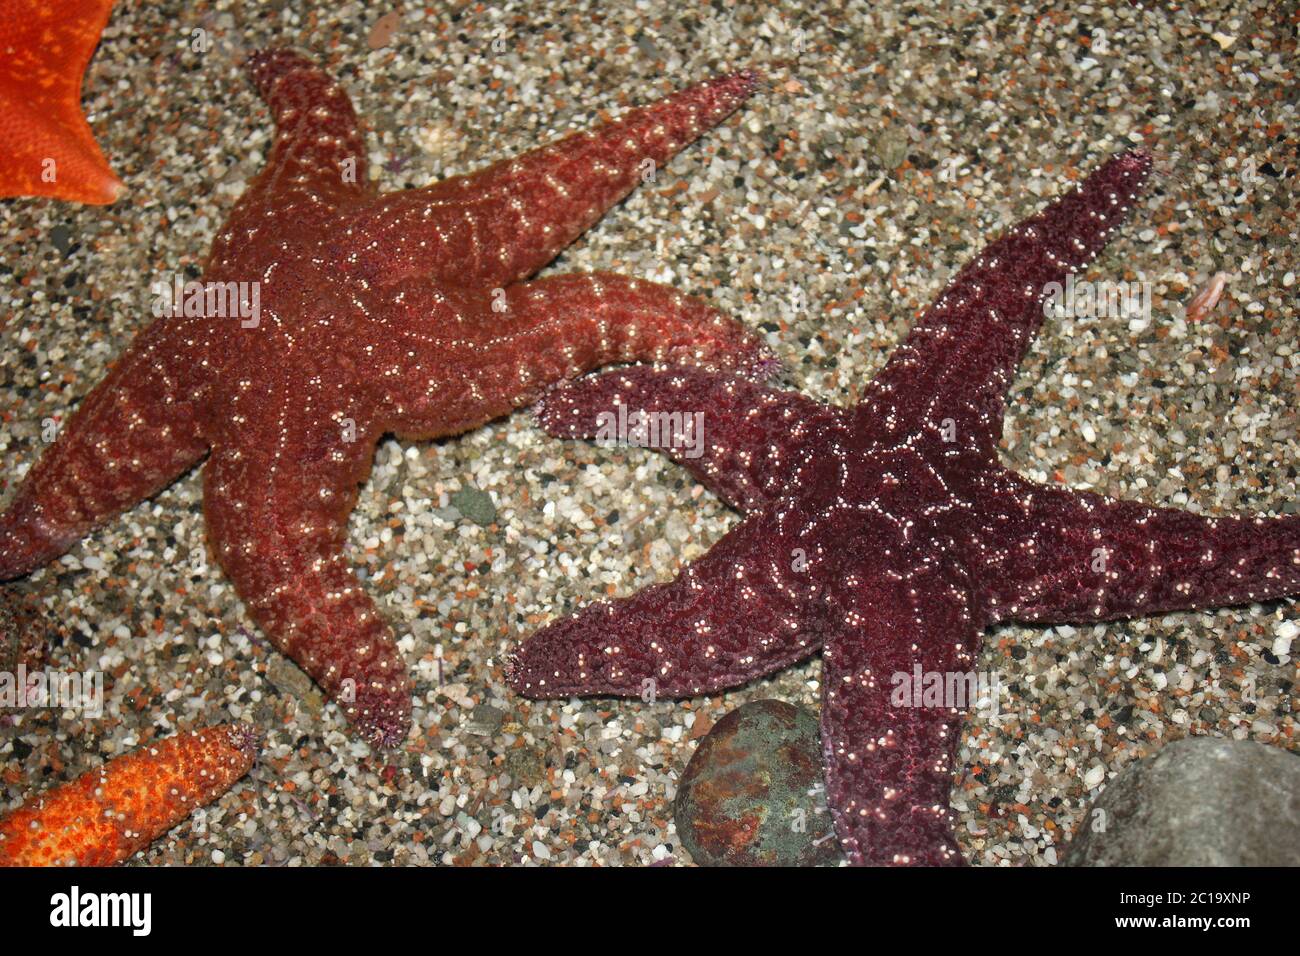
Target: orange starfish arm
<point>510,344</point>
<point>46,146</point>
<point>285,555</point>
<point>144,410</point>
<point>503,223</point>
<point>109,814</point>
<point>318,163</point>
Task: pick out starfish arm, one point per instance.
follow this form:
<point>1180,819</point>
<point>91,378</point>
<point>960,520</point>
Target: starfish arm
<point>132,436</point>
<point>276,515</point>
<point>1057,555</point>
<point>503,223</point>
<point>49,149</point>
<point>109,814</point>
<point>890,747</point>
<point>459,358</point>
<point>738,613</point>
<point>741,440</point>
<point>950,375</point>
<point>318,161</point>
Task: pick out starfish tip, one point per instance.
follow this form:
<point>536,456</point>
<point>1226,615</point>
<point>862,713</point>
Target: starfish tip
<point>382,724</point>
<point>105,192</point>
<point>245,738</point>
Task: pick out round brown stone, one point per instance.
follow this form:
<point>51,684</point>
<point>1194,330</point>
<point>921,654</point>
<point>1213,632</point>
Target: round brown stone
<point>752,794</point>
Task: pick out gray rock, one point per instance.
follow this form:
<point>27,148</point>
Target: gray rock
<point>891,149</point>
<point>1202,801</point>
<point>485,720</point>
<point>293,682</point>
<point>475,505</point>
<point>61,236</point>
<point>526,765</point>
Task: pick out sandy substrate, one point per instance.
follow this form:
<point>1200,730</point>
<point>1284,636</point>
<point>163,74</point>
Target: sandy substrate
<point>888,143</point>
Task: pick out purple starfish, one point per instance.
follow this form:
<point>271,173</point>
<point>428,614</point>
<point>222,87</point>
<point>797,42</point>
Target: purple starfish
<point>890,536</point>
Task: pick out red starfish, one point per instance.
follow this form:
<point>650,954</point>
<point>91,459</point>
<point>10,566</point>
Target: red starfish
<point>47,147</point>
<point>891,536</point>
<point>399,313</point>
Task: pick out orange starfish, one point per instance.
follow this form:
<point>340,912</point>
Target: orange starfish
<point>46,146</point>
<point>107,815</point>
